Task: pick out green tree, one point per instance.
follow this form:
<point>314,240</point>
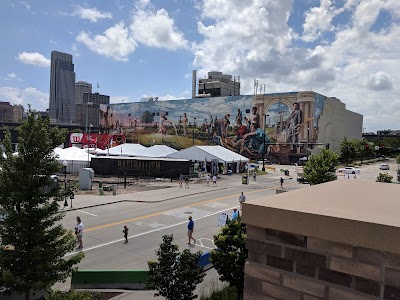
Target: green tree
<point>231,254</point>
<point>175,275</point>
<point>384,177</point>
<point>347,151</point>
<point>36,242</point>
<point>321,168</point>
<point>147,117</point>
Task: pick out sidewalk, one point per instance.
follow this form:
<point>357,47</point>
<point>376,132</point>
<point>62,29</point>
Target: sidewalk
<point>170,190</point>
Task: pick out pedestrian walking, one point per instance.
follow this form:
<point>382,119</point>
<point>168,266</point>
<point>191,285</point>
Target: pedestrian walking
<point>281,181</point>
<point>242,199</point>
<point>235,214</point>
<point>190,231</point>
<point>125,231</point>
<point>214,180</point>
<point>186,182</point>
<point>208,180</point>
<point>79,231</point>
<point>180,180</point>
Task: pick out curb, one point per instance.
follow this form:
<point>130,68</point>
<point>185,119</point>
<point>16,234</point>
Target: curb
<point>140,201</point>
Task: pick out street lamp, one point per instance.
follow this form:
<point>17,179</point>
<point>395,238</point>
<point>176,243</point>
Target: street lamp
<point>194,126</point>
<point>65,164</point>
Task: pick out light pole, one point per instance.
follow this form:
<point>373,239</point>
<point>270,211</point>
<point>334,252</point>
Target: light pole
<point>194,126</point>
<point>65,164</point>
<point>87,109</point>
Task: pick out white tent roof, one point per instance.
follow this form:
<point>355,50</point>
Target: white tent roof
<point>158,151</point>
<point>126,149</point>
<point>208,153</point>
<point>72,153</point>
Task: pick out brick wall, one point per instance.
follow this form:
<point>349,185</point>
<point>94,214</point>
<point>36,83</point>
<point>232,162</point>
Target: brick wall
<point>290,266</point>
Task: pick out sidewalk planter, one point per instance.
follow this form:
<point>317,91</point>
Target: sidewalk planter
<point>109,279</point>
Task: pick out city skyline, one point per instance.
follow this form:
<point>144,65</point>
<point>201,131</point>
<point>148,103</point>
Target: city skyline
<point>342,49</point>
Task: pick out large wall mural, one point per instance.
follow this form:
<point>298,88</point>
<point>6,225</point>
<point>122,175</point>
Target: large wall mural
<point>276,125</point>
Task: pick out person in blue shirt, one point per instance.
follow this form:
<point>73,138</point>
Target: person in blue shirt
<point>190,230</point>
<point>235,214</point>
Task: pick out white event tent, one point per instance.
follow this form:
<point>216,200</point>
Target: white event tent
<point>209,153</point>
<point>126,149</point>
<point>76,158</point>
<point>158,151</point>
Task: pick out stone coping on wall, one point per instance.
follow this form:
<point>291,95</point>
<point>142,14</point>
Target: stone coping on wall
<point>353,212</point>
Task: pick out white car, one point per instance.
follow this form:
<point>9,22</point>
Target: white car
<point>384,167</point>
<point>349,170</point>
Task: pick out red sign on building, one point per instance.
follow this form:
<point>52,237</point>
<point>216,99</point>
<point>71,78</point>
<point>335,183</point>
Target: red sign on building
<point>95,140</point>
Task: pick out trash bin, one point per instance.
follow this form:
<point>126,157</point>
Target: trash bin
<point>287,172</point>
<point>245,179</point>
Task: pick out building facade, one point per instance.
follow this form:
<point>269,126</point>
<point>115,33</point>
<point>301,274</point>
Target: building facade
<point>217,84</point>
<point>282,127</point>
<point>87,113</point>
<point>62,88</point>
<point>11,113</point>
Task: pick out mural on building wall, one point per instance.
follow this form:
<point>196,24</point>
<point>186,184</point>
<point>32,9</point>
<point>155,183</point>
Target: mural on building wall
<point>250,125</point>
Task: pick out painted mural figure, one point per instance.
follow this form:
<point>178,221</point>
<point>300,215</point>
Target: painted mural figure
<point>254,141</point>
<point>241,131</point>
<point>239,116</point>
<point>221,126</point>
<point>185,123</point>
<point>254,117</point>
<point>294,125</point>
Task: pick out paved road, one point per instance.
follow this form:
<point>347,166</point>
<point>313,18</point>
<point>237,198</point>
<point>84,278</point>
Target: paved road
<point>152,214</point>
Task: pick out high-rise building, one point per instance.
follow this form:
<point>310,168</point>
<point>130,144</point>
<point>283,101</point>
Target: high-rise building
<point>88,112</point>
<point>81,87</point>
<point>62,88</point>
<point>217,84</point>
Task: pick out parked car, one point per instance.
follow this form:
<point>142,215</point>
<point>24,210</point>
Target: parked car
<point>384,167</point>
<point>349,170</point>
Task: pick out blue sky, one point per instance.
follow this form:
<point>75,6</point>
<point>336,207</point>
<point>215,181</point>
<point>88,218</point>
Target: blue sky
<point>346,49</point>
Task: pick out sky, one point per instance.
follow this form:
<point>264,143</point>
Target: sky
<point>348,49</point>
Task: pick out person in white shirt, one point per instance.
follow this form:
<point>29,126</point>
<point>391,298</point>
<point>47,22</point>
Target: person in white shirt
<point>208,179</point>
<point>214,180</point>
<point>242,198</point>
<point>79,231</point>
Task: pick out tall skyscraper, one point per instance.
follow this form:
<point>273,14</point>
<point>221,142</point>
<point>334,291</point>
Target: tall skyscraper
<point>62,88</point>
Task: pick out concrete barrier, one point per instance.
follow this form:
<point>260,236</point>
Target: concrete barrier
<point>120,279</point>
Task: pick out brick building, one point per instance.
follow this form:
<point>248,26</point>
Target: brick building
<point>337,240</point>
<point>11,113</point>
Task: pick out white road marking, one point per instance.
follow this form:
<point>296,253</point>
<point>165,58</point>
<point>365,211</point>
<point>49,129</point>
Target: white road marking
<point>87,213</point>
<point>147,232</point>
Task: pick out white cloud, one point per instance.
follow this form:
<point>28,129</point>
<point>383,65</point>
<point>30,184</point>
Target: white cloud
<point>115,42</point>
<point>157,29</point>
<point>29,95</point>
<point>35,59</point>
<point>91,14</point>
<point>27,6</point>
<point>379,81</point>
<point>319,20</point>
<point>12,76</point>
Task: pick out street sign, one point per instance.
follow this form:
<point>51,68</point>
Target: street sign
<point>222,219</point>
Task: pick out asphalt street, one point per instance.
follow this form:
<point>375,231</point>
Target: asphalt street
<point>150,215</point>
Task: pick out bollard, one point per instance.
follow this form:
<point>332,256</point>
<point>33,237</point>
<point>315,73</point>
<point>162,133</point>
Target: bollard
<point>101,191</point>
<point>114,188</point>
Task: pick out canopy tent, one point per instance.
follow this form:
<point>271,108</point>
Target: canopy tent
<point>76,158</point>
<point>158,151</point>
<point>126,149</point>
<point>209,153</point>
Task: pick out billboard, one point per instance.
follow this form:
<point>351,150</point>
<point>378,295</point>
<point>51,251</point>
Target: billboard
<point>95,140</point>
